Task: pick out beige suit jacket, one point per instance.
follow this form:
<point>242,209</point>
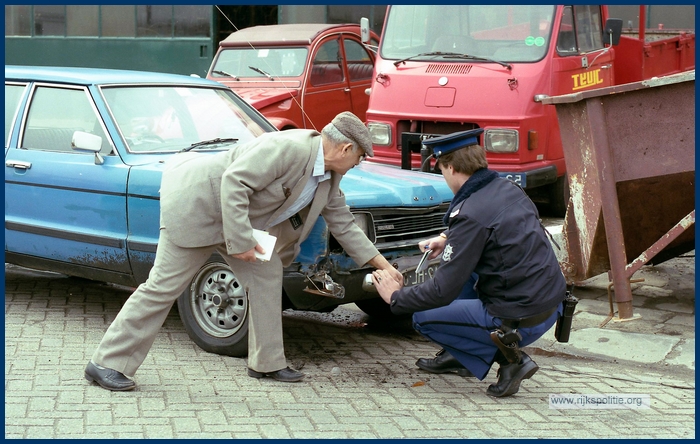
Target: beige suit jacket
<point>210,199</point>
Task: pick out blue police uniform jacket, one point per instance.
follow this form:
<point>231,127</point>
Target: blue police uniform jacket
<point>495,232</point>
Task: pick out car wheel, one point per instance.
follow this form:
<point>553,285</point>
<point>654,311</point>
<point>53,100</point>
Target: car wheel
<point>559,196</point>
<point>214,310</point>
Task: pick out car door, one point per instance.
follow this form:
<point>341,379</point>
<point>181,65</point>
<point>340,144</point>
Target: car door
<point>326,91</point>
<point>60,204</point>
<point>582,61</point>
<point>360,66</point>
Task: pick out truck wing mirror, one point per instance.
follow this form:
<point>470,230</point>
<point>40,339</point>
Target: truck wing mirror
<point>364,29</point>
<point>613,31</point>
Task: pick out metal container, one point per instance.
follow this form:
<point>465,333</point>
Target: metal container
<point>630,156</point>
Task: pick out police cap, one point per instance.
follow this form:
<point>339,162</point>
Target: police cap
<point>452,142</point>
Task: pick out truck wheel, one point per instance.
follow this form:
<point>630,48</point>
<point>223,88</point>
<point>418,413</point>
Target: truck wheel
<point>214,310</point>
<point>559,196</point>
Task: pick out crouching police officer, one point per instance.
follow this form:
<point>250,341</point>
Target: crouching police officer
<point>499,286</point>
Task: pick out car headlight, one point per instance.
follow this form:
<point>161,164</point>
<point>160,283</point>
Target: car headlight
<point>366,224</point>
<point>501,141</point>
<point>380,132</point>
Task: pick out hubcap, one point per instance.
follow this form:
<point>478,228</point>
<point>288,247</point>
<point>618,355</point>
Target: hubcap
<point>218,301</point>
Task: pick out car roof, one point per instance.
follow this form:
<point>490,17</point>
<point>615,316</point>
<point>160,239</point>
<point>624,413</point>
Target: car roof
<point>299,33</point>
<point>98,76</point>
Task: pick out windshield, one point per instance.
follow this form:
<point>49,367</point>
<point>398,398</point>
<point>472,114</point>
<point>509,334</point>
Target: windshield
<point>249,62</point>
<point>505,33</point>
<point>171,118</point>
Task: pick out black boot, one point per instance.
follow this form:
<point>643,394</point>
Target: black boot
<point>443,362</point>
<point>511,375</point>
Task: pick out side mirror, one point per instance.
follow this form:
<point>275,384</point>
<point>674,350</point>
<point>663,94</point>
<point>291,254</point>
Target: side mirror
<point>364,30</point>
<point>88,142</point>
<point>613,31</point>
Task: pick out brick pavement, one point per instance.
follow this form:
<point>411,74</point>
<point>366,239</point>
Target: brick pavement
<point>53,323</point>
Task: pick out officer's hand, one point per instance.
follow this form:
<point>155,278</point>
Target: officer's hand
<point>437,244</point>
<point>249,256</point>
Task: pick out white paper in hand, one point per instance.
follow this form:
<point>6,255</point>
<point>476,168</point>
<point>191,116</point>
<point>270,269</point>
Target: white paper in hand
<point>267,241</point>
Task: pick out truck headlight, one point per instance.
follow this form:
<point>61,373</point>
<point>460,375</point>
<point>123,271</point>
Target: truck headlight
<point>366,224</point>
<point>380,132</point>
<point>501,141</point>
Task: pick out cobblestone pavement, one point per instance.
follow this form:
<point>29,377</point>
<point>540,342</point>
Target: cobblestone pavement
<point>361,382</point>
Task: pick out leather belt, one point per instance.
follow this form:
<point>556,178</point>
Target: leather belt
<point>528,322</point>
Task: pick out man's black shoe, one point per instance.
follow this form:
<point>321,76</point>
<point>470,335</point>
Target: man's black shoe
<point>443,362</point>
<point>108,378</point>
<point>284,375</point>
<point>510,376</point>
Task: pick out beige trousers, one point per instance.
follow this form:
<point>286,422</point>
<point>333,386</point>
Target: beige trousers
<point>129,338</point>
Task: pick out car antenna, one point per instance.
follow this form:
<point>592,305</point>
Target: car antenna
<point>306,116</point>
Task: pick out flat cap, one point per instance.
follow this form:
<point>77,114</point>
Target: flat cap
<point>352,127</point>
<point>452,142</point>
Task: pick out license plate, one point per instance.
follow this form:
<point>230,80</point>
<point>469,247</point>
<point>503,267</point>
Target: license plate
<point>520,179</point>
<point>411,278</point>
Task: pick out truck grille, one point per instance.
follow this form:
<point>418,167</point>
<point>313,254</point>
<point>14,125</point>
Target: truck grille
<point>402,226</point>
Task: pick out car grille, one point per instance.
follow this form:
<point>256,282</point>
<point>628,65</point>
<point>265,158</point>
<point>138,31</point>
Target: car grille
<point>402,226</point>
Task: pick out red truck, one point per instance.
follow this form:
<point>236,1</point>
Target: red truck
<point>298,75</point>
<point>442,69</point>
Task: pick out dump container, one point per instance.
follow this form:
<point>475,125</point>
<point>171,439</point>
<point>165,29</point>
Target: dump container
<point>630,155</point>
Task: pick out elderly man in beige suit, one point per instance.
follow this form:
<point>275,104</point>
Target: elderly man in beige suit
<point>280,182</point>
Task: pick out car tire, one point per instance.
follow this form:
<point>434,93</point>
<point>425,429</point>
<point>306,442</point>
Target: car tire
<point>214,310</point>
<point>559,196</point>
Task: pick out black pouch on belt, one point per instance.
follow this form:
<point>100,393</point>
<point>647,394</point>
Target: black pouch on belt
<point>563,328</point>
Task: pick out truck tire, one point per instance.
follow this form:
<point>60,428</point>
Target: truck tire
<point>214,310</point>
<point>559,196</point>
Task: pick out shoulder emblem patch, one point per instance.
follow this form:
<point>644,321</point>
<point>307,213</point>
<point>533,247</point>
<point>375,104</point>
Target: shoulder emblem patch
<point>447,253</point>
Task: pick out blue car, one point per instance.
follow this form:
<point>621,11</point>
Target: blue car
<point>84,153</point>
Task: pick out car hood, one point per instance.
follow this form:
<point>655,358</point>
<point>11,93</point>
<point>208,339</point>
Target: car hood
<point>259,98</point>
<point>371,185</point>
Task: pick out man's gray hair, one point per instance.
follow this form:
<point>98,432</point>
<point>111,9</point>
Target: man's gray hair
<point>336,137</point>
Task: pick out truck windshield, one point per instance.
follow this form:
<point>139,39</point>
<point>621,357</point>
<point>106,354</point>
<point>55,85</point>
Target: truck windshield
<point>515,33</point>
<point>249,62</point>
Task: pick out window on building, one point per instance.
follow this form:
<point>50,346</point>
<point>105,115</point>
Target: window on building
<point>154,21</point>
<point>17,20</point>
<point>164,21</point>
<point>118,21</point>
<point>83,20</point>
<point>191,21</point>
<point>50,20</point>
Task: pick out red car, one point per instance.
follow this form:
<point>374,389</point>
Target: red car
<point>298,75</point>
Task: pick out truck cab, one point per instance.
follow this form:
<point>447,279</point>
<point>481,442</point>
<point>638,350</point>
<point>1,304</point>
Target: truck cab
<point>443,69</point>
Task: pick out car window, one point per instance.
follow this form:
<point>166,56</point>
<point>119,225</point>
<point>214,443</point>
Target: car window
<point>13,94</point>
<point>55,114</point>
<point>327,66</point>
<point>170,118</point>
<point>358,60</point>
